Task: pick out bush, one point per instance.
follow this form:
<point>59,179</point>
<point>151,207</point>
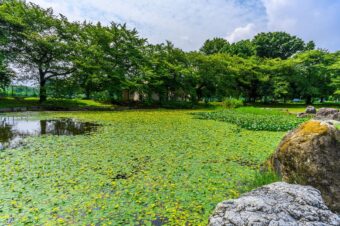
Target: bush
<point>178,105</point>
<point>268,120</point>
<point>232,103</point>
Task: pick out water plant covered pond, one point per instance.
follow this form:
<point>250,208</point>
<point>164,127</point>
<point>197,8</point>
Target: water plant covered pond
<point>140,167</point>
<point>14,128</point>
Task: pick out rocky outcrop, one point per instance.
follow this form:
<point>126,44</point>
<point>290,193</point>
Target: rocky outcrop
<point>310,110</point>
<point>305,115</point>
<point>310,155</point>
<point>328,114</point>
<point>278,204</point>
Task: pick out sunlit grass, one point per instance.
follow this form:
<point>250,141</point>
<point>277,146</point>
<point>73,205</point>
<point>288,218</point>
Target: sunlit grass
<point>10,102</point>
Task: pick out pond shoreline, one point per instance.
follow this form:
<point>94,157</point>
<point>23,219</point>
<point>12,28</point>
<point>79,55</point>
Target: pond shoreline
<point>55,108</point>
<point>59,108</point>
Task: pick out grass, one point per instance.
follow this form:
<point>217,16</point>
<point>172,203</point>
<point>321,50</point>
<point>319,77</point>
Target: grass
<point>10,102</point>
<point>295,108</point>
<point>337,126</point>
<point>255,118</point>
<point>141,167</point>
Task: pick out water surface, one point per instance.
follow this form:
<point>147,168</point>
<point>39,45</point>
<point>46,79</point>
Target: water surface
<point>13,129</point>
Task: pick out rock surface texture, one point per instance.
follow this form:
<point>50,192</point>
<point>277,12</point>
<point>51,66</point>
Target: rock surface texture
<point>277,204</point>
<point>305,115</point>
<point>311,110</point>
<point>328,114</point>
<point>310,155</point>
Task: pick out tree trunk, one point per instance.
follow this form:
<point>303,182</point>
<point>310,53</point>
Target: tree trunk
<point>87,93</point>
<point>42,93</point>
<point>43,126</point>
<point>308,100</point>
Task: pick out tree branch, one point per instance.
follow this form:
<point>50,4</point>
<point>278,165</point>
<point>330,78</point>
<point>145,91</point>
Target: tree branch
<point>55,74</point>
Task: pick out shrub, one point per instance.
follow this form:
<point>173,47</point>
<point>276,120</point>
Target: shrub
<point>232,103</point>
<point>178,105</point>
<point>267,120</point>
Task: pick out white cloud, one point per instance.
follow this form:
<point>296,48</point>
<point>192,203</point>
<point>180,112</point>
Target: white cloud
<point>240,33</point>
<point>309,19</point>
<point>188,23</point>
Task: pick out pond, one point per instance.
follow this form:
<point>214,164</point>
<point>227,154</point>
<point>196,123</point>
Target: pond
<point>13,129</point>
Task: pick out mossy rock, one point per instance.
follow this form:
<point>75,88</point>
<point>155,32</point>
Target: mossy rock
<point>310,155</point>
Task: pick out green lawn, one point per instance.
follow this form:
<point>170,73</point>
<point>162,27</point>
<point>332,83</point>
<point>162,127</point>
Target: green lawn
<point>295,108</point>
<point>10,102</point>
<point>139,167</point>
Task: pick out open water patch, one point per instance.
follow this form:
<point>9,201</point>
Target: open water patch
<point>14,128</point>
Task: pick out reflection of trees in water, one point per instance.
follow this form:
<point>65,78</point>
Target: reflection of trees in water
<point>10,129</point>
<point>65,127</point>
<point>6,133</point>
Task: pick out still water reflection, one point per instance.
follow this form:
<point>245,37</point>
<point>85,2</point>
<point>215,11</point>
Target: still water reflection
<point>14,129</point>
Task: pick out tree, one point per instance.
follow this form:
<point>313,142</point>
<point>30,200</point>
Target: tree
<point>123,58</point>
<point>170,73</point>
<point>41,42</point>
<point>63,88</point>
<point>277,45</point>
<point>278,84</point>
<point>251,78</point>
<point>243,48</point>
<point>310,46</point>
<point>313,76</point>
<point>91,62</point>
<point>216,45</point>
<point>6,74</point>
<point>335,71</point>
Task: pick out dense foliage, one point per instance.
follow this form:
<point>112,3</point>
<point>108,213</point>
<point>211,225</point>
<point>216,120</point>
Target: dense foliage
<point>140,167</point>
<point>232,103</point>
<point>5,73</point>
<point>255,119</point>
<point>82,59</point>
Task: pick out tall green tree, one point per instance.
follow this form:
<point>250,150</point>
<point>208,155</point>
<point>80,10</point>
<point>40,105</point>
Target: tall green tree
<point>6,75</point>
<point>91,62</point>
<point>243,48</point>
<point>335,71</point>
<point>216,45</point>
<point>313,76</point>
<point>251,78</point>
<point>277,45</point>
<point>123,58</point>
<point>41,42</point>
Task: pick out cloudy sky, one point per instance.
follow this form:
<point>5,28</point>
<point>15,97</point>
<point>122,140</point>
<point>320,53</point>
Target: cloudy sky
<point>188,23</point>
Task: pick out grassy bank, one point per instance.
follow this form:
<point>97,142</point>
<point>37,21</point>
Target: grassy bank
<point>10,102</point>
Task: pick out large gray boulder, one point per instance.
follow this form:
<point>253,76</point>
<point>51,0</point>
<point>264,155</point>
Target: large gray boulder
<point>310,155</point>
<point>277,204</point>
<point>328,114</point>
<point>311,110</point>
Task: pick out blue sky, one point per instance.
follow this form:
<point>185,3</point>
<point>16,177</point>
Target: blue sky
<point>188,23</point>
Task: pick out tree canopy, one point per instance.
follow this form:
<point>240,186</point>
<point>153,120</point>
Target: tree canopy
<point>112,62</point>
<point>278,45</point>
